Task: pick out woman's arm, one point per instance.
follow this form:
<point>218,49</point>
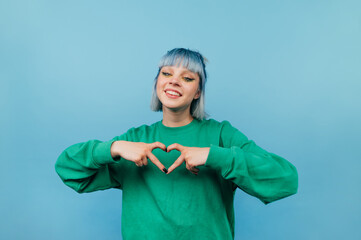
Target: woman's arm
<point>96,165</point>
<point>264,175</point>
<point>87,166</point>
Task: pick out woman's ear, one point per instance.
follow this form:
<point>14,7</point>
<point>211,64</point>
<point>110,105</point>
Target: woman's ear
<point>198,94</point>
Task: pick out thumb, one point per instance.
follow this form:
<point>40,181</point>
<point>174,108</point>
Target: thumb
<point>175,146</point>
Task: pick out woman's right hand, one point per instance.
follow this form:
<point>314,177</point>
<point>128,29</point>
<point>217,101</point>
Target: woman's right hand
<point>138,152</point>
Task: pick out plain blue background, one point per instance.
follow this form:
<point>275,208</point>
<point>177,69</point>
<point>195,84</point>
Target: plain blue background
<point>285,73</point>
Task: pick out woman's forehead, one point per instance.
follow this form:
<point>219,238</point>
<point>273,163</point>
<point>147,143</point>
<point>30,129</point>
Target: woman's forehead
<point>178,68</point>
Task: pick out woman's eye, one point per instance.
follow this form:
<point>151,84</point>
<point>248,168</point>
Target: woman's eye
<point>188,79</point>
<point>166,74</point>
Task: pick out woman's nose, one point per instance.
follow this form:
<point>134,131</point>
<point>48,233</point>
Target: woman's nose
<point>175,80</point>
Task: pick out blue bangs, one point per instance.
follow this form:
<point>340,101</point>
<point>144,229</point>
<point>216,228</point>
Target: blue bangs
<point>191,60</point>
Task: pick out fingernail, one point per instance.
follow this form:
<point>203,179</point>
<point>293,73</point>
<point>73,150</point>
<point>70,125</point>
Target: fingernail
<point>165,170</point>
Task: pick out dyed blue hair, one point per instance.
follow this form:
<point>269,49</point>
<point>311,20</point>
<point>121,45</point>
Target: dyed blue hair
<point>194,62</point>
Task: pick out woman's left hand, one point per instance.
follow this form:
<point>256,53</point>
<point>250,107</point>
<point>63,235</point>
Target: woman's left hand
<point>193,156</point>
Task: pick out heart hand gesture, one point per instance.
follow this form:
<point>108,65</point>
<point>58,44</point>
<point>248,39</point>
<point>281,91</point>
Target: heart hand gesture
<point>193,156</point>
<point>138,152</point>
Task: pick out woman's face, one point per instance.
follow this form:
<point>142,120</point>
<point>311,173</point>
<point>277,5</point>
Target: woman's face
<point>177,87</point>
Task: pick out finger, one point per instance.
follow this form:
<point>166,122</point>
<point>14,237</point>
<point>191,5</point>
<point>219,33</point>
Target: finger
<point>145,161</point>
<point>175,146</point>
<point>158,145</point>
<point>138,163</point>
<point>176,164</point>
<point>156,162</point>
<point>193,170</point>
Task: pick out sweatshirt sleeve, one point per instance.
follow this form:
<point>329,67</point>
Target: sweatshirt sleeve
<point>264,175</point>
<point>88,166</point>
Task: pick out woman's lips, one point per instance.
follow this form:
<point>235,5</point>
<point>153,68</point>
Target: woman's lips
<point>172,93</point>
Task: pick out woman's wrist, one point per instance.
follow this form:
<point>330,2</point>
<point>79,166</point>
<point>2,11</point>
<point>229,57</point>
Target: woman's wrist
<point>114,150</point>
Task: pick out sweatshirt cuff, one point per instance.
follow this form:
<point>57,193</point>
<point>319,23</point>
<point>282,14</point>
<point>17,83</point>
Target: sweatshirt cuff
<point>101,153</point>
<point>219,159</point>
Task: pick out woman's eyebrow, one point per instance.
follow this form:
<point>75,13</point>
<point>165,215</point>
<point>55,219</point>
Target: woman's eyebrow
<point>188,71</point>
<point>166,69</point>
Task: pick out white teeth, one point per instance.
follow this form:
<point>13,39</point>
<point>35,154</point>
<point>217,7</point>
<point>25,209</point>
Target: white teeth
<point>173,93</point>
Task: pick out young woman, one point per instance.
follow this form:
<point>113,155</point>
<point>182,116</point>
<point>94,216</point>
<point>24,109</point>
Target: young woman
<point>178,175</point>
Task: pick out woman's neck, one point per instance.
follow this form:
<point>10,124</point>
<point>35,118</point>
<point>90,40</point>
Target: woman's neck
<point>176,119</point>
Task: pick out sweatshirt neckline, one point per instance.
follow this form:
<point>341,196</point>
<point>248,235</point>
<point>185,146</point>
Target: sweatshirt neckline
<point>181,129</point>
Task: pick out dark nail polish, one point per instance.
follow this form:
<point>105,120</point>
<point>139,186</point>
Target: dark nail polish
<point>165,170</point>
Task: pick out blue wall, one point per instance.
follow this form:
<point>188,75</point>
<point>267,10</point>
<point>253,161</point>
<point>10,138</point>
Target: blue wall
<point>285,73</point>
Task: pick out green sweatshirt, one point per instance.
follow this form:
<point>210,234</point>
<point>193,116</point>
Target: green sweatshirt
<point>180,205</point>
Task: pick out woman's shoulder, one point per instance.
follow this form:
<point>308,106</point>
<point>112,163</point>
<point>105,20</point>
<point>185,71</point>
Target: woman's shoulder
<point>144,128</point>
<point>215,123</point>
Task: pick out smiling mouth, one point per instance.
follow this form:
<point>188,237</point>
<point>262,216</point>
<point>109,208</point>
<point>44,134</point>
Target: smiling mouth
<point>173,93</point>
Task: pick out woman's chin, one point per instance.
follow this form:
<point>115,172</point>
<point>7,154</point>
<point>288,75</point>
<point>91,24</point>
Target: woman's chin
<point>174,108</point>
